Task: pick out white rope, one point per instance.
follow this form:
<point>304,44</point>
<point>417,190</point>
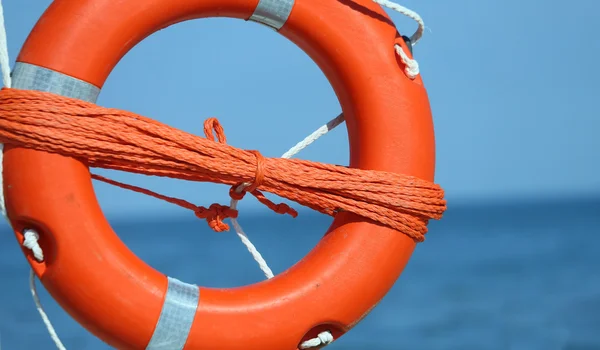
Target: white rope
<point>31,237</point>
<point>4,58</point>
<point>262,263</point>
<point>290,153</point>
<point>412,66</point>
<point>332,124</point>
<point>30,241</point>
<point>40,309</point>
<point>322,339</point>
<point>408,13</point>
<point>5,67</point>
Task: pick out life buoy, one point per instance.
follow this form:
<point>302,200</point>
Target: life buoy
<point>125,302</point>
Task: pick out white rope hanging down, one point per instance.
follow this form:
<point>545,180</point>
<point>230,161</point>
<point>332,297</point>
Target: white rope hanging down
<point>31,237</point>
<point>30,241</point>
<point>5,68</point>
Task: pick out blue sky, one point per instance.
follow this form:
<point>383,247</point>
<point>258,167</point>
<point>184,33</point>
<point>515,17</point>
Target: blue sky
<point>513,88</point>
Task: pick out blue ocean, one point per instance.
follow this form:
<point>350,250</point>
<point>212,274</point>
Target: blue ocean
<point>498,276</point>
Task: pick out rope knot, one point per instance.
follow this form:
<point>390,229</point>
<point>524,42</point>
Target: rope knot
<point>234,194</point>
<point>237,192</point>
<point>411,65</point>
<point>215,214</point>
<point>283,208</point>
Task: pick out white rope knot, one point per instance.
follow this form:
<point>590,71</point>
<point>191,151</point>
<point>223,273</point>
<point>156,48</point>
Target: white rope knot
<point>30,241</point>
<point>324,338</point>
<point>412,66</point>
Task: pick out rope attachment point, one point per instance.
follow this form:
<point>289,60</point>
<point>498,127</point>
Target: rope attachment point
<point>215,214</point>
<point>30,241</point>
<point>322,339</point>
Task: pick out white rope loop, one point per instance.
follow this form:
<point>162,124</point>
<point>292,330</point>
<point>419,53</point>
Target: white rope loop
<point>31,237</point>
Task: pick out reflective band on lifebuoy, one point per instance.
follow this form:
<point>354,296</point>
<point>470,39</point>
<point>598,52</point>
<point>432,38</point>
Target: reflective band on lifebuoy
<point>272,13</point>
<point>118,297</point>
<point>31,77</point>
<point>176,316</point>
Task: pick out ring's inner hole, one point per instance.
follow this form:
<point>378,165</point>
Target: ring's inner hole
<point>268,95</point>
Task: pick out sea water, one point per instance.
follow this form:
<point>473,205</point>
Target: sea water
<point>489,276</point>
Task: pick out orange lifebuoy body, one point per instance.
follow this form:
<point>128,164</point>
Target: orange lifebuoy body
<point>121,299</point>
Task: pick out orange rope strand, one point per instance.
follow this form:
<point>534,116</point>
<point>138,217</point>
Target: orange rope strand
<point>120,140</point>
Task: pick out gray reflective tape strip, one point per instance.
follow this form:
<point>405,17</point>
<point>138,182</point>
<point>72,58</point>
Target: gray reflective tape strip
<point>176,317</point>
<point>273,13</point>
<point>27,76</point>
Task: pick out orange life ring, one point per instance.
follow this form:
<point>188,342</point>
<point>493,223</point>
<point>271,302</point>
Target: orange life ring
<point>118,297</point>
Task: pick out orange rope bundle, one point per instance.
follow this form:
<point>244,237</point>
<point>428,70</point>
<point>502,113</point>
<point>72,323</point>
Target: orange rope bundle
<point>120,140</point>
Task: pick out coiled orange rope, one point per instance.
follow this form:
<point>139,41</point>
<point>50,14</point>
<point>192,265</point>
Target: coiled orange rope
<point>120,140</point>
